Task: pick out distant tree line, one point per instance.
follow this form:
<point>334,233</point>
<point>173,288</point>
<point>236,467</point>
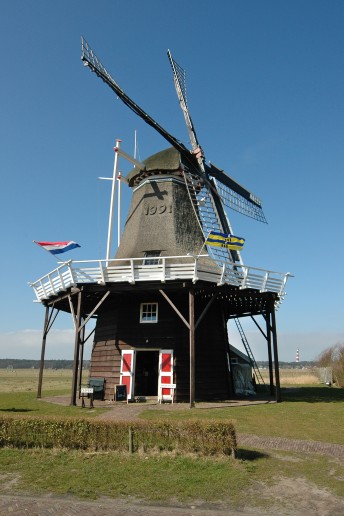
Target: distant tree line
<point>18,363</point>
<point>288,365</point>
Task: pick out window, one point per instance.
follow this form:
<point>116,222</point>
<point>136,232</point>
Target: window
<point>153,258</point>
<point>149,313</point>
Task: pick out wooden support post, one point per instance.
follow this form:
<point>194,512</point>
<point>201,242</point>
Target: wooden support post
<point>192,346</point>
<point>268,333</point>
<point>231,372</point>
<point>76,352</point>
<point>228,360</point>
<point>276,362</point>
<point>82,345</point>
<point>44,339</point>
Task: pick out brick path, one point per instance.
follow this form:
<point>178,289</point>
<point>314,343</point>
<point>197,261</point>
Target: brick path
<point>295,445</point>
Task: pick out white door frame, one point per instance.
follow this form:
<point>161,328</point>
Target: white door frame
<point>127,376</point>
<point>166,387</point>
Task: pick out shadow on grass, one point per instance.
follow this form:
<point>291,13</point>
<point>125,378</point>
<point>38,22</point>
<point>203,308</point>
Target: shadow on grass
<point>313,394</point>
<point>250,455</point>
<point>16,410</point>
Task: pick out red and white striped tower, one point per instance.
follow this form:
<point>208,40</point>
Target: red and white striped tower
<point>297,358</point>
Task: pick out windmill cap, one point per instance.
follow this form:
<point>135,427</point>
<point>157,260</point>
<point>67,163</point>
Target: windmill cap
<point>167,160</point>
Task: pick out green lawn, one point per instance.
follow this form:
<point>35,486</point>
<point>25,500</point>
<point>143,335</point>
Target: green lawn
<point>256,479</point>
<point>164,477</point>
<point>19,393</point>
<point>310,413</point>
<point>26,380</point>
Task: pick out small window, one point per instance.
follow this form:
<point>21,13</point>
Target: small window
<point>151,258</point>
<point>149,313</point>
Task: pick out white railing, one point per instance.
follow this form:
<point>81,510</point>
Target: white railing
<point>169,268</point>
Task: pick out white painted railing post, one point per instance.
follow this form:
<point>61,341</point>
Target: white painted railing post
<point>101,268</point>
<point>44,291</point>
<point>195,275</point>
<point>71,272</point>
<point>221,282</point>
<point>245,274</point>
<point>285,279</point>
<point>61,278</point>
<point>132,270</point>
<point>51,284</point>
<point>262,289</point>
<point>163,272</point>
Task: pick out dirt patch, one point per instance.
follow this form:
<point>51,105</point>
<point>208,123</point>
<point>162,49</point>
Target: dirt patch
<point>8,481</point>
<point>297,496</point>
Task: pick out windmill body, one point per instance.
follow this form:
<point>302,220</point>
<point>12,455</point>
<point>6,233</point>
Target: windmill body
<point>163,301</point>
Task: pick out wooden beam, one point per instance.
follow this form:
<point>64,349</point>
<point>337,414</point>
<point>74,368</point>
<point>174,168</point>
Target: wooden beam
<point>192,346</point>
<point>175,308</point>
<point>76,351</point>
<point>228,359</point>
<point>48,322</point>
<point>276,362</point>
<point>94,310</point>
<point>268,339</point>
<point>72,311</point>
<point>206,309</point>
<point>82,345</point>
<point>89,335</point>
<point>259,328</point>
<point>41,366</point>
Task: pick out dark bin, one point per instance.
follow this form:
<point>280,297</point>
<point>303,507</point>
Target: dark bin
<point>98,385</point>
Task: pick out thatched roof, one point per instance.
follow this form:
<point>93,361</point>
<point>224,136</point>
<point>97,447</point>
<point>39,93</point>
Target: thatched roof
<point>167,160</point>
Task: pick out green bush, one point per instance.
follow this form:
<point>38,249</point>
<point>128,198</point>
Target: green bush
<point>334,357</point>
<point>202,437</point>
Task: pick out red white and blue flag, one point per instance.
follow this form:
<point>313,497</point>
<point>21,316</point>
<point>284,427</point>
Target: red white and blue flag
<point>57,247</point>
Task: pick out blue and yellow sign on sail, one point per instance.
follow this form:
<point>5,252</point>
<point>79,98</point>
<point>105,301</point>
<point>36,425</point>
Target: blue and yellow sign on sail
<point>223,240</point>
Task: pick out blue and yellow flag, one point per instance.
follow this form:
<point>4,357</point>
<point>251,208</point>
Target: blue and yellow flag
<point>222,240</point>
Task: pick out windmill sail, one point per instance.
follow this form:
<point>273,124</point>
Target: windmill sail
<point>232,194</point>
<point>90,59</point>
<point>235,196</point>
<point>180,85</point>
<point>210,210</point>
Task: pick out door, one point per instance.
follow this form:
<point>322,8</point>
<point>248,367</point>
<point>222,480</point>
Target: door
<point>128,371</point>
<point>146,372</point>
<point>166,385</point>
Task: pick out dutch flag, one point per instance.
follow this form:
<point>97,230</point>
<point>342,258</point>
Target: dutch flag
<point>57,247</point>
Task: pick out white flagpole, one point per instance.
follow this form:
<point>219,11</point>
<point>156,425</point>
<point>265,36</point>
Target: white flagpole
<point>112,202</point>
<point>119,209</point>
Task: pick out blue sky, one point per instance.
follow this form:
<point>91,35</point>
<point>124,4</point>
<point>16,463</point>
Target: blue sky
<point>265,89</point>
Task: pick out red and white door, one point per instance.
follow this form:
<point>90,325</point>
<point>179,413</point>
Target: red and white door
<point>128,371</point>
<point>166,386</point>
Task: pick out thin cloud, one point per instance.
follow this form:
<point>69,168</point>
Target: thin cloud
<point>27,344</point>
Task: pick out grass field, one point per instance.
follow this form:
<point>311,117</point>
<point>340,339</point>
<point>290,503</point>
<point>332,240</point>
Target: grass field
<point>26,380</point>
<point>294,376</point>
<point>18,390</point>
<point>258,479</point>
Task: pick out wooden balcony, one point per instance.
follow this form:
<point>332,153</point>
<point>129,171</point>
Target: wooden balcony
<point>169,268</point>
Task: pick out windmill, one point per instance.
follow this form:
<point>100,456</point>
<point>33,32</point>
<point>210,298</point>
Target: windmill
<point>163,301</point>
<point>210,189</point>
